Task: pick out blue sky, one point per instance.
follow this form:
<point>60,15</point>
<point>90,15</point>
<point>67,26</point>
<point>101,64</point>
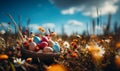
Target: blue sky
<point>73,15</point>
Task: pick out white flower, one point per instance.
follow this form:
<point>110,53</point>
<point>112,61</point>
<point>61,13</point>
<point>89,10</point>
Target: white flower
<point>19,61</point>
<point>96,50</point>
<point>66,44</point>
<point>2,31</point>
<point>87,46</point>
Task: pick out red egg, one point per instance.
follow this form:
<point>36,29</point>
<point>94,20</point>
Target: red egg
<point>44,38</point>
<point>43,45</point>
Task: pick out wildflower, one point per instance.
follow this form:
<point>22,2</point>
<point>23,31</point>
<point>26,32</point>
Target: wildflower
<point>73,43</point>
<point>3,56</point>
<point>97,51</point>
<point>74,55</point>
<point>56,67</point>
<point>66,44</point>
<point>69,51</point>
<point>75,40</point>
<point>2,31</point>
<point>18,61</point>
<point>41,29</point>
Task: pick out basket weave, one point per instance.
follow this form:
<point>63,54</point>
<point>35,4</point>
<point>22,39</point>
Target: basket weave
<point>43,57</point>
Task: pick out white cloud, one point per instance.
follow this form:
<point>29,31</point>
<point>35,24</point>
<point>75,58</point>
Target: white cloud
<point>73,26</point>
<point>49,25</point>
<point>104,8</point>
<point>72,10</point>
<point>4,24</point>
<point>75,23</point>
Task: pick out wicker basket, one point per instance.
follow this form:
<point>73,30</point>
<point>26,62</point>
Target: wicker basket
<point>43,57</point>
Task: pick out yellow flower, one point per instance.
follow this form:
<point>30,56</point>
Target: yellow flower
<point>41,29</point>
<point>56,67</point>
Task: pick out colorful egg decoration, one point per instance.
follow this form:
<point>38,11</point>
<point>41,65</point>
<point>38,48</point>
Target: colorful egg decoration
<point>45,38</point>
<point>50,42</point>
<point>36,39</point>
<point>43,45</point>
<point>32,46</point>
<point>48,50</point>
<point>56,47</point>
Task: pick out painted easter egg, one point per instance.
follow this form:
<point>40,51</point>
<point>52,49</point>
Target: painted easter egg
<point>36,39</point>
<point>56,47</point>
<point>43,45</point>
<point>50,42</point>
<point>32,46</point>
<point>44,38</point>
<point>48,50</point>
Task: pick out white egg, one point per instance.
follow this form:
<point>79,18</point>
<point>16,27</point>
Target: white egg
<point>32,46</point>
<point>47,50</point>
<point>50,43</point>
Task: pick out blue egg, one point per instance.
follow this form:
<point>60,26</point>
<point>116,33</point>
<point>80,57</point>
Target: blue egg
<point>56,47</point>
<point>36,39</point>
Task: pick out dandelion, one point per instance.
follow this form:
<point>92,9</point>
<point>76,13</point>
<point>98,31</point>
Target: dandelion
<point>41,29</point>
<point>19,61</point>
<point>56,67</point>
<point>66,44</point>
